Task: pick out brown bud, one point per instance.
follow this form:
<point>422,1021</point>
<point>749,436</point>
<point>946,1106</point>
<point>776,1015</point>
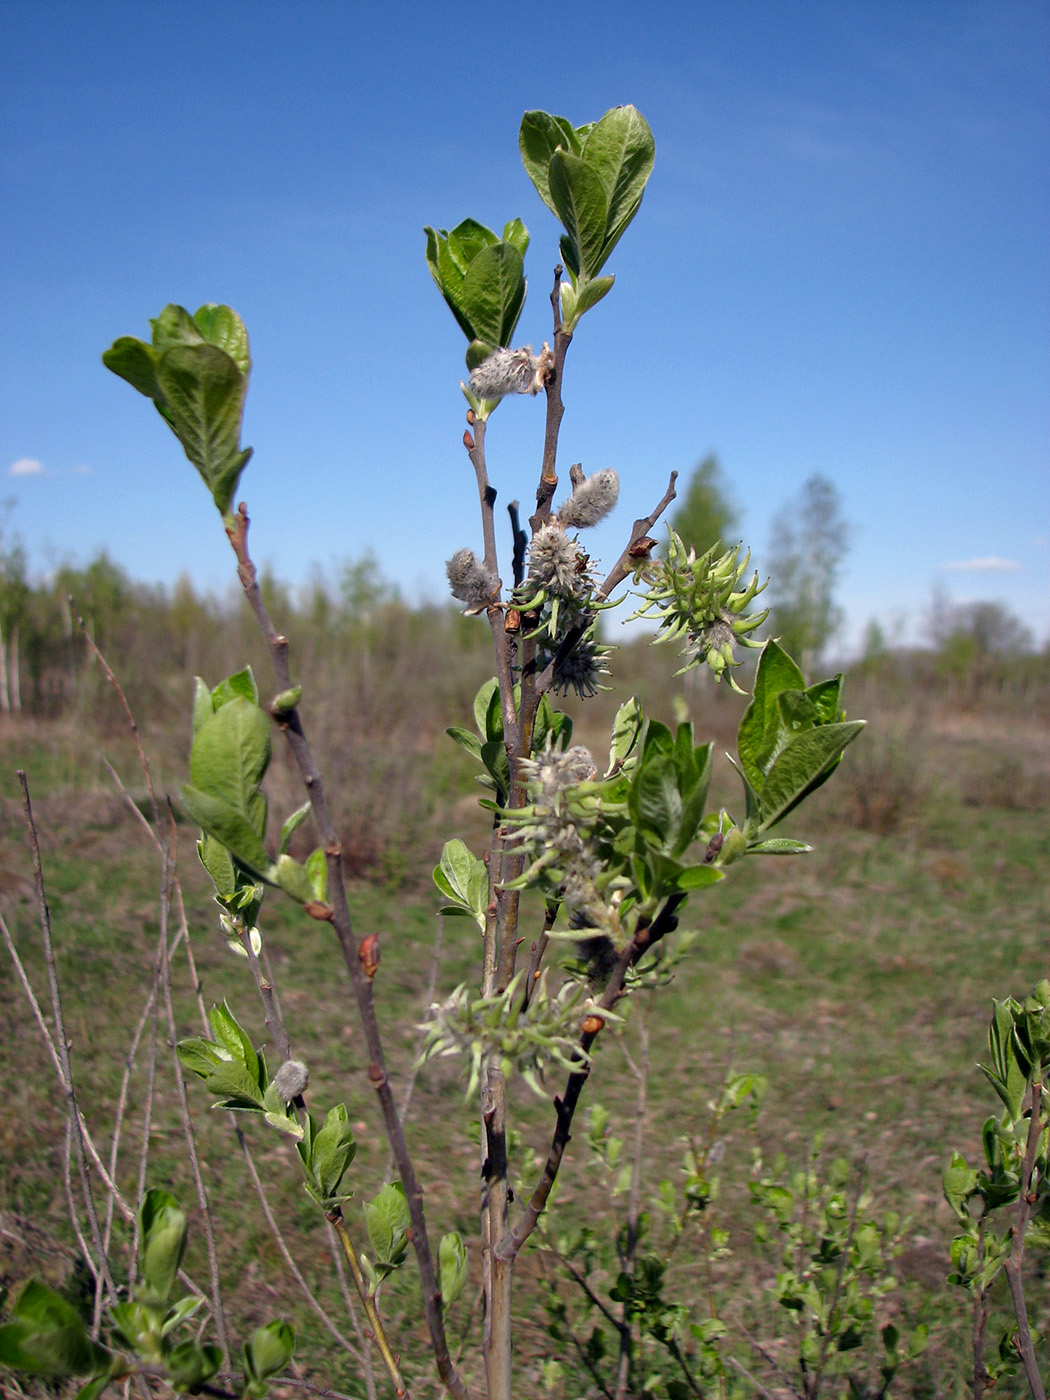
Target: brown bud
<point>317,909</point>
<point>512,621</point>
<point>468,441</point>
<point>642,548</point>
<point>368,952</point>
<point>713,847</point>
<point>472,417</point>
<point>592,1024</point>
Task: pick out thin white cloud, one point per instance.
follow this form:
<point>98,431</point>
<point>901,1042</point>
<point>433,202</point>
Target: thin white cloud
<point>26,466</point>
<point>82,470</point>
<point>990,564</point>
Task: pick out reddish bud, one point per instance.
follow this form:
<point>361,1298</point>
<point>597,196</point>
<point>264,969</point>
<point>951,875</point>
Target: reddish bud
<point>642,548</point>
<point>368,952</point>
<point>468,441</point>
<point>512,621</point>
<point>592,1024</point>
<point>471,416</point>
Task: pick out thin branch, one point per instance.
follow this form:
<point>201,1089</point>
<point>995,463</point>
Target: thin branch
<point>520,544</point>
<point>218,1313</point>
<point>61,1043</point>
<point>628,1257</point>
<point>337,912</point>
<point>413,1076</point>
<point>143,760</point>
<point>1013,1263</point>
<point>565,1107</point>
<point>555,409</point>
<point>368,1302</point>
<point>286,1254</point>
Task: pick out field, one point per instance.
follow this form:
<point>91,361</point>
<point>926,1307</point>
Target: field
<point>857,980</point>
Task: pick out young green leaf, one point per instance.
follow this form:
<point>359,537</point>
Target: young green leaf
<point>579,201</point>
<point>162,1242</point>
<point>539,136</point>
<point>46,1336</point>
<point>387,1221</point>
<point>463,879</point>
<point>454,1265</point>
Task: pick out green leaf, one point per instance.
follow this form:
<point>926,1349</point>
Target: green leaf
<point>589,294</point>
<point>693,775</point>
<point>654,802</point>
<point>777,846</point>
<point>494,757</point>
<point>463,879</point>
<point>199,1056</point>
<point>180,1312</point>
<point>484,707</point>
<point>204,392</point>
<point>219,819</point>
<point>292,825</point>
<point>175,326</point>
<point>229,758</point>
<point>539,136</point>
<point>625,731</point>
<point>387,1221</point>
<point>454,1266</point>
<point>579,200</point>
<point>218,862</point>
<point>222,327</point>
<point>801,767</point>
<point>241,683</point>
<point>294,879</point>
<point>317,873</point>
<point>136,362</point>
<point>191,1364</point>
<point>269,1349</point>
<point>332,1150</point>
<point>494,293</point>
<point>234,1039</point>
<point>517,235</point>
<point>203,707</point>
<point>47,1337</point>
<point>960,1182</point>
<point>621,150</point>
<point>94,1388</point>
<point>698,877</point>
<point>756,738</point>
<point>162,1241</point>
<point>466,740</point>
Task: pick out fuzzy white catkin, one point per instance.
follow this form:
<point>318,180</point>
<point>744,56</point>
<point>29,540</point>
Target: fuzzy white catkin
<point>469,580</point>
<point>505,372</point>
<point>592,500</point>
<point>553,559</point>
<point>291,1080</point>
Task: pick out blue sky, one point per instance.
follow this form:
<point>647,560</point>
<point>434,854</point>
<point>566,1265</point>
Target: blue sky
<point>841,266</point>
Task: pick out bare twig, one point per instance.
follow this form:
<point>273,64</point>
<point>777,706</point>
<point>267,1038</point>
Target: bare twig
<point>218,1313</point>
<point>628,1256</point>
<point>61,1045</point>
<point>338,914</point>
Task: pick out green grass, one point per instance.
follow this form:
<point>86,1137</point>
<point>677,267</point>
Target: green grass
<point>857,979</point>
